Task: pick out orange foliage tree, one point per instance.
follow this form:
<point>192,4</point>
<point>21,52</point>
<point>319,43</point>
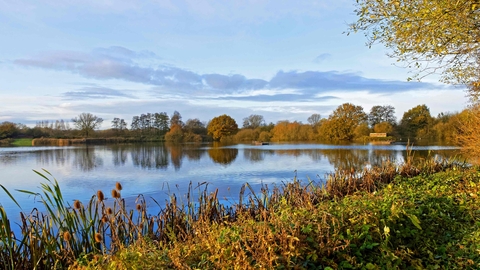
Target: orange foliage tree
<point>222,126</point>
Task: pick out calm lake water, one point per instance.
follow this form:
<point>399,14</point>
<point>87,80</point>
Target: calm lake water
<point>157,170</point>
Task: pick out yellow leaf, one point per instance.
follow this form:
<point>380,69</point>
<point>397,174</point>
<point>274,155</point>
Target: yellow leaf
<point>386,230</point>
<point>415,221</point>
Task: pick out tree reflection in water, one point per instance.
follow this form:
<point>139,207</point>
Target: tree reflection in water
<point>314,154</point>
<point>161,156</point>
<point>57,157</point>
<point>176,155</point>
<point>291,152</point>
<point>8,159</point>
<point>223,156</point>
<point>85,158</point>
<point>347,158</point>
<point>120,155</point>
<point>256,155</point>
<point>149,156</point>
<point>194,152</point>
<point>358,158</point>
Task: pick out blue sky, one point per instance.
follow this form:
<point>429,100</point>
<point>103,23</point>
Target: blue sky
<point>284,60</point>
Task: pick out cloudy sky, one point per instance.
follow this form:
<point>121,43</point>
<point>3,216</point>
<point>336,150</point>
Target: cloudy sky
<point>283,59</point>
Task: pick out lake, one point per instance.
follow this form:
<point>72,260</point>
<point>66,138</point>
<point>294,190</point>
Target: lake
<point>157,170</point>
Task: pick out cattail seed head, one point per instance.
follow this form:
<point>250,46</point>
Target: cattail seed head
<point>100,196</point>
<point>98,238</point>
<point>115,194</point>
<point>77,205</point>
<point>118,186</point>
<point>104,219</point>
<point>109,211</point>
<point>139,207</point>
<point>67,236</point>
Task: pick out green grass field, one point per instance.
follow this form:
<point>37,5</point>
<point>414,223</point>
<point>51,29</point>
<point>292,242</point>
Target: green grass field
<point>22,142</point>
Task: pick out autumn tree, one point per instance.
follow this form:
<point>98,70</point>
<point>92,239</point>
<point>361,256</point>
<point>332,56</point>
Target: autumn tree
<point>383,127</point>
<point>314,119</point>
<point>291,131</point>
<point>195,126</point>
<point>8,130</point>
<point>362,130</point>
<point>379,114</point>
<point>430,36</point>
<point>194,129</point>
<point>447,126</point>
<point>247,135</point>
<point>176,119</point>
<point>341,124</point>
<point>175,134</point>
<point>253,121</point>
<point>468,132</point>
<point>87,123</point>
<point>416,122</point>
<point>222,126</point>
<point>284,131</point>
<point>264,136</point>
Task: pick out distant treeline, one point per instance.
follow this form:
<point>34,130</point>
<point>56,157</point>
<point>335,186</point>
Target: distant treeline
<point>347,122</point>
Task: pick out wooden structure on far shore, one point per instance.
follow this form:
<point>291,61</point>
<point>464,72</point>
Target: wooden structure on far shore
<point>378,135</point>
<point>380,138</point>
<point>260,143</point>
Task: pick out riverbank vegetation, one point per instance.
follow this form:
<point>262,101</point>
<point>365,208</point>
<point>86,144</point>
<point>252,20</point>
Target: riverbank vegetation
<point>347,123</point>
<point>415,215</point>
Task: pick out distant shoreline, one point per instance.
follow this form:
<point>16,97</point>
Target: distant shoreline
<point>64,142</point>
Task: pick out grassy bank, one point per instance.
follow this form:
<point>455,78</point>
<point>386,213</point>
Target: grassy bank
<point>22,142</point>
<point>16,142</point>
<point>394,217</point>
